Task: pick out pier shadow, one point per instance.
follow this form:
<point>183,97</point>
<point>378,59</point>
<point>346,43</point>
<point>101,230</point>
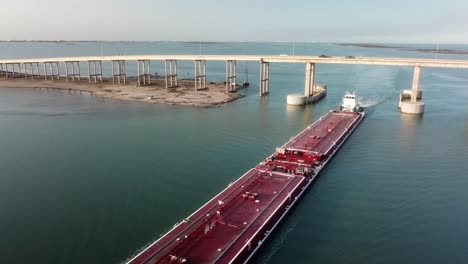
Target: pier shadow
<point>262,114</point>
<point>302,113</point>
<point>408,130</point>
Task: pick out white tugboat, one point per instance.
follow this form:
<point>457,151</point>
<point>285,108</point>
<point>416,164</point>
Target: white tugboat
<point>350,103</point>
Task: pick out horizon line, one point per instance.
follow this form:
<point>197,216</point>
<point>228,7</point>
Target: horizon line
<point>233,41</point>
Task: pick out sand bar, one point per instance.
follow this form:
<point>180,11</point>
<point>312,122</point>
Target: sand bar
<point>156,93</point>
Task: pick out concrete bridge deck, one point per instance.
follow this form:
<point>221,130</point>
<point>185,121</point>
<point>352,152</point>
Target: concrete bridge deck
<point>441,63</point>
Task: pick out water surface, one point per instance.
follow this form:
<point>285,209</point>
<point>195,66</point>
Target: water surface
<point>92,180</point>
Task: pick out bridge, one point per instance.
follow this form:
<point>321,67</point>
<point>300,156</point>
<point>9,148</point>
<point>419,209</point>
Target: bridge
<point>29,68</point>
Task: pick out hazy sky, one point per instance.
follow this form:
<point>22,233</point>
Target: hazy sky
<point>403,21</point>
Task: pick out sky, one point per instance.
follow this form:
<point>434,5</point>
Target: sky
<point>372,21</point>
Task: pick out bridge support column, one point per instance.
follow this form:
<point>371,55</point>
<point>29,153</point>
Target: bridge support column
<point>6,70</point>
<point>93,71</point>
<point>414,88</point>
<point>25,64</point>
<point>171,75</point>
<point>54,70</point>
<point>200,75</point>
<point>38,76</point>
<point>13,71</point>
<point>144,76</point>
<point>74,66</point>
<point>119,71</point>
<point>410,101</point>
<point>25,72</point>
<point>264,78</point>
<point>19,69</point>
<point>32,66</point>
<point>309,79</point>
<point>231,76</point>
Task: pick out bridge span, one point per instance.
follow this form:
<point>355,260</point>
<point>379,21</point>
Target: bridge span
<point>29,68</point>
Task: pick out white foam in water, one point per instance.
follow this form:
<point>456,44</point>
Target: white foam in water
<point>368,97</point>
<point>368,102</point>
<point>375,85</point>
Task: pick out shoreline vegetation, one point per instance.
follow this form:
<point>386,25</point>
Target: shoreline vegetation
<point>382,46</point>
<point>156,93</point>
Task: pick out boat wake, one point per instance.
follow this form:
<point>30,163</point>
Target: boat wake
<point>368,102</point>
<point>378,85</point>
<point>276,245</point>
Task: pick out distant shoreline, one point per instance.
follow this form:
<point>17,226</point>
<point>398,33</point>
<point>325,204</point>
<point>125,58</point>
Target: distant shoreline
<point>116,41</point>
<point>383,46</point>
<point>197,43</point>
<point>187,42</point>
<point>365,45</point>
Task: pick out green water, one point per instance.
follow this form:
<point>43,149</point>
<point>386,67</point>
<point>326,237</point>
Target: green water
<point>92,180</point>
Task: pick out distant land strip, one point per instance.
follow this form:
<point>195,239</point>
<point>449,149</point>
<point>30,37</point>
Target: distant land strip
<point>361,45</point>
<point>381,46</point>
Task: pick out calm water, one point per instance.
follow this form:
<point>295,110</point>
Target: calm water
<point>91,180</point>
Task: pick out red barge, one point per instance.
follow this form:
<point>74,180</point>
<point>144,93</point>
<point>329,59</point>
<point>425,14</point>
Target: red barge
<point>232,226</point>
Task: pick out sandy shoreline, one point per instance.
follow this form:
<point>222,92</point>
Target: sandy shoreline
<point>156,93</point>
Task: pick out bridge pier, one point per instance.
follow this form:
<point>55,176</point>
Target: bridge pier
<point>19,69</point>
<point>93,72</point>
<point>309,86</point>
<point>264,78</point>
<point>74,67</point>
<point>171,78</point>
<point>312,92</point>
<point>25,64</point>
<point>25,70</point>
<point>31,65</point>
<point>146,70</point>
<point>231,76</point>
<point>54,71</point>
<point>309,79</point>
<point>6,70</point>
<point>121,71</point>
<point>414,88</point>
<point>13,72</point>
<point>414,104</point>
<point>200,74</point>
